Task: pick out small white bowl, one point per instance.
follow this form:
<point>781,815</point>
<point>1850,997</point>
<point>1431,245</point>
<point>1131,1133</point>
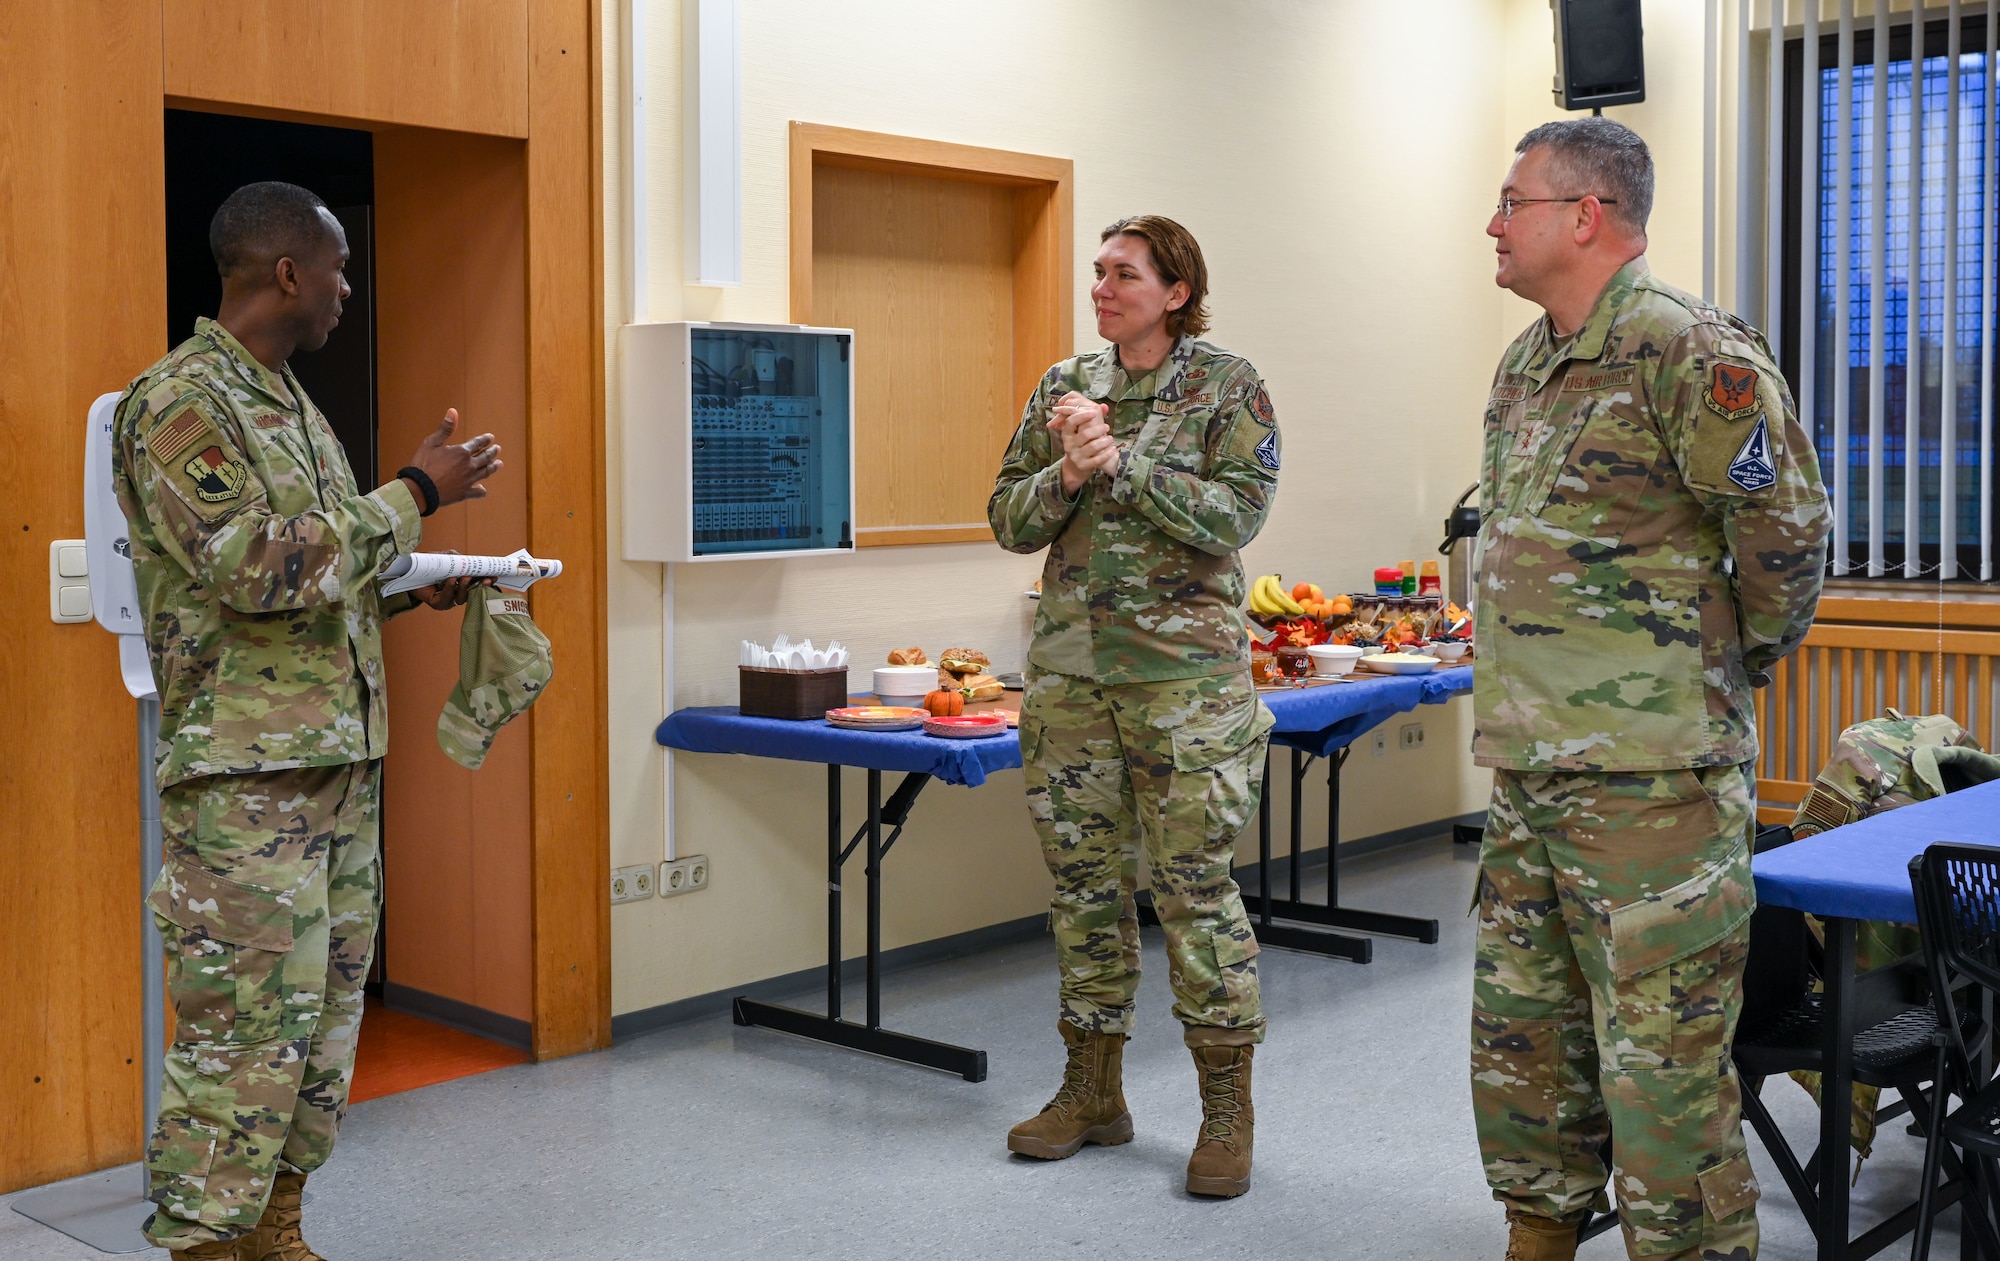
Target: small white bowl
<point>1334,659</point>
<point>1448,650</point>
<point>1401,663</point>
<point>904,684</point>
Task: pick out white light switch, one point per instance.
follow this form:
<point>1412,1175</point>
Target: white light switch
<point>69,591</point>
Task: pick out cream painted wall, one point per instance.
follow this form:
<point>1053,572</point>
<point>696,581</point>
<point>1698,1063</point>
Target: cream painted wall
<point>1341,213</point>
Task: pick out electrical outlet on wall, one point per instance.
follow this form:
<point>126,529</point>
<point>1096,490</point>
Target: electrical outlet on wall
<point>684,875</point>
<point>1378,744</point>
<point>631,884</point>
<point>1410,735</point>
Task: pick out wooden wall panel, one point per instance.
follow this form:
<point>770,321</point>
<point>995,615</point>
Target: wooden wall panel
<point>82,288</point>
<point>956,259</point>
<point>451,303</point>
<point>572,804</point>
<point>922,269</point>
<point>460,65</point>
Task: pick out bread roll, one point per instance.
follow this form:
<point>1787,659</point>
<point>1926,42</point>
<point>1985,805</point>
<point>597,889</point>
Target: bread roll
<point>908,657</point>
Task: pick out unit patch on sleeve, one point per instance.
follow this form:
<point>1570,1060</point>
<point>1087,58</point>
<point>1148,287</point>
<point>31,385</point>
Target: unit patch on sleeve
<point>217,478</point>
<point>1267,451</point>
<point>1732,390</point>
<point>1260,407</point>
<point>1753,469</point>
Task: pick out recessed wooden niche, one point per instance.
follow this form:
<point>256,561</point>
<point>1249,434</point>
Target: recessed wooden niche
<point>952,264</point>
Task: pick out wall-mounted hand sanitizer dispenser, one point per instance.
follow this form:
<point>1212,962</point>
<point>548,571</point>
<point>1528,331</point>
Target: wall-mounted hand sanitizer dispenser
<point>739,440</point>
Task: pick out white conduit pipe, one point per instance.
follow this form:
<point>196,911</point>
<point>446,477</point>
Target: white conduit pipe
<point>1711,79</point>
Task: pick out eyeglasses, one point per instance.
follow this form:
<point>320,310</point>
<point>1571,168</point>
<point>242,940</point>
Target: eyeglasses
<point>1505,206</point>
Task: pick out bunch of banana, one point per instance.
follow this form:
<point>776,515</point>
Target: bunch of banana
<point>1268,599</point>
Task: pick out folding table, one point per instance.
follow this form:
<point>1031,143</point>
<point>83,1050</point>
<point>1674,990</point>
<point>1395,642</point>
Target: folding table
<point>1861,872</point>
<point>1313,721</point>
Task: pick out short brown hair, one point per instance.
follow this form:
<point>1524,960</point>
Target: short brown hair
<point>1176,257</point>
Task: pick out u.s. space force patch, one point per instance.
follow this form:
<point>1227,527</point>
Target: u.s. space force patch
<point>1267,451</point>
<point>1753,468</point>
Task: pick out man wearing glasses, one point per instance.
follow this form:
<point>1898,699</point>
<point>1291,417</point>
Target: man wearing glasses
<point>1653,536</point>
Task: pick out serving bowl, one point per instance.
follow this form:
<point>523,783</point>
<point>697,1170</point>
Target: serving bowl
<point>1448,650</point>
<point>1400,663</point>
<point>1334,659</point>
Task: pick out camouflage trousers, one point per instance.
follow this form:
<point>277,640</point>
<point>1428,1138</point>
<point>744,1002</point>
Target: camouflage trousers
<point>268,904</point>
<point>1174,769</point>
<point>1614,921</point>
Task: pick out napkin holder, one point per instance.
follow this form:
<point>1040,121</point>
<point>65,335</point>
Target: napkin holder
<point>763,692</point>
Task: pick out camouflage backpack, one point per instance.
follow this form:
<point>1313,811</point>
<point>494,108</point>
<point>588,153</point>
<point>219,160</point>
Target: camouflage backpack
<point>1876,765</point>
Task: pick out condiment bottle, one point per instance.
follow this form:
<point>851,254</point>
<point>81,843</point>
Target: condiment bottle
<point>1389,580</point>
<point>1409,577</point>
<point>1428,582</point>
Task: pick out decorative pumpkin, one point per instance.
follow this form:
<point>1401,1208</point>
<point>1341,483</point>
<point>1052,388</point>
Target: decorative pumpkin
<point>944,704</point>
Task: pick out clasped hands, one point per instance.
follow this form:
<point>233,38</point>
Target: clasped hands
<point>1085,433</point>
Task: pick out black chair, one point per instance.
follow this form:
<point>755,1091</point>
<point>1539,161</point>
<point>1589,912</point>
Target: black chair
<point>1782,1030</point>
<point>1958,914</point>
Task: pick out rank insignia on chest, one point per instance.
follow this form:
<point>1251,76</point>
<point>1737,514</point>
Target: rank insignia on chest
<point>1732,391</point>
<point>1753,469</point>
<point>217,478</point>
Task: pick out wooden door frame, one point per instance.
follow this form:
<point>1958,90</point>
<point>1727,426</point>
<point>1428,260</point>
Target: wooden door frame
<point>1044,236</point>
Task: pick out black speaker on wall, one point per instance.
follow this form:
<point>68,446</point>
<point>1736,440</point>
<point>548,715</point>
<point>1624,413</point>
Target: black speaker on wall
<point>1600,53</point>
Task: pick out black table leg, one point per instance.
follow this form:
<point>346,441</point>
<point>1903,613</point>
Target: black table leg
<point>833,858</point>
<point>869,1037</point>
<point>1329,914</point>
<point>1836,1090</point>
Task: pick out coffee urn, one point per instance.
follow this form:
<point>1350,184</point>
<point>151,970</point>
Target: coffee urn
<point>1461,531</point>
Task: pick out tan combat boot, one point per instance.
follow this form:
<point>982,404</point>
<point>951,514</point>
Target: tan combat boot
<point>277,1236</point>
<point>1221,1161</point>
<point>1531,1238</point>
<point>1090,1106</point>
<point>237,1249</point>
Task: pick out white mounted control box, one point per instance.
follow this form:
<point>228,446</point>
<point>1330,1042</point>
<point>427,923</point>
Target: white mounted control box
<point>739,440</point>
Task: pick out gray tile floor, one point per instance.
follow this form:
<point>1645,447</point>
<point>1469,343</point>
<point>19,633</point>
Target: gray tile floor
<point>713,1141</point>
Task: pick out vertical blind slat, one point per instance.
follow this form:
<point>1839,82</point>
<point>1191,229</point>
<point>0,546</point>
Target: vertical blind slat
<point>1986,287</point>
<point>1913,375</point>
<point>1843,293</point>
<point>1746,134</point>
<point>1948,395</point>
<point>1878,259</point>
<point>1774,180</point>
<point>1809,261</point>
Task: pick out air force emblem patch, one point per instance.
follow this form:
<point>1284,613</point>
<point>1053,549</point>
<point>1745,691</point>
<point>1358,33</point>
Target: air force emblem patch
<point>1732,390</point>
<point>1267,451</point>
<point>217,478</point>
<point>1752,469</point>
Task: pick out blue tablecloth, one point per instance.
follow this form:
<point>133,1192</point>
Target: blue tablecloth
<point>1316,719</point>
<point>1862,870</point>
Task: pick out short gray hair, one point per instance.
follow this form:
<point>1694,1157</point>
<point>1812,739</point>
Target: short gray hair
<point>1596,156</point>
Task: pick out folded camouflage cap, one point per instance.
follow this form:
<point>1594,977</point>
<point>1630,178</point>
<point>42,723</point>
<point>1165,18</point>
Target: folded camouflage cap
<point>503,665</point>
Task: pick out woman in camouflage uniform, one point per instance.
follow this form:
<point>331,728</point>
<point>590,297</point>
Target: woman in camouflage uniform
<point>1142,468</point>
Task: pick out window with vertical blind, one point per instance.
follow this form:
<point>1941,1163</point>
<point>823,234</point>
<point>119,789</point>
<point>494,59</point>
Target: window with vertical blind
<point>1890,211</point>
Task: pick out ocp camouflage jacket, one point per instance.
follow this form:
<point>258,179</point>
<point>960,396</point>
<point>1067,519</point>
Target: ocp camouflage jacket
<point>1652,538</point>
<point>256,557</point>
<point>1142,580</point>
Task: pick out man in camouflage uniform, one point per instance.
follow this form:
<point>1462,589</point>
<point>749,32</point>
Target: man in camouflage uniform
<point>256,557</point>
<point>1654,531</point>
<point>1142,469</point>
